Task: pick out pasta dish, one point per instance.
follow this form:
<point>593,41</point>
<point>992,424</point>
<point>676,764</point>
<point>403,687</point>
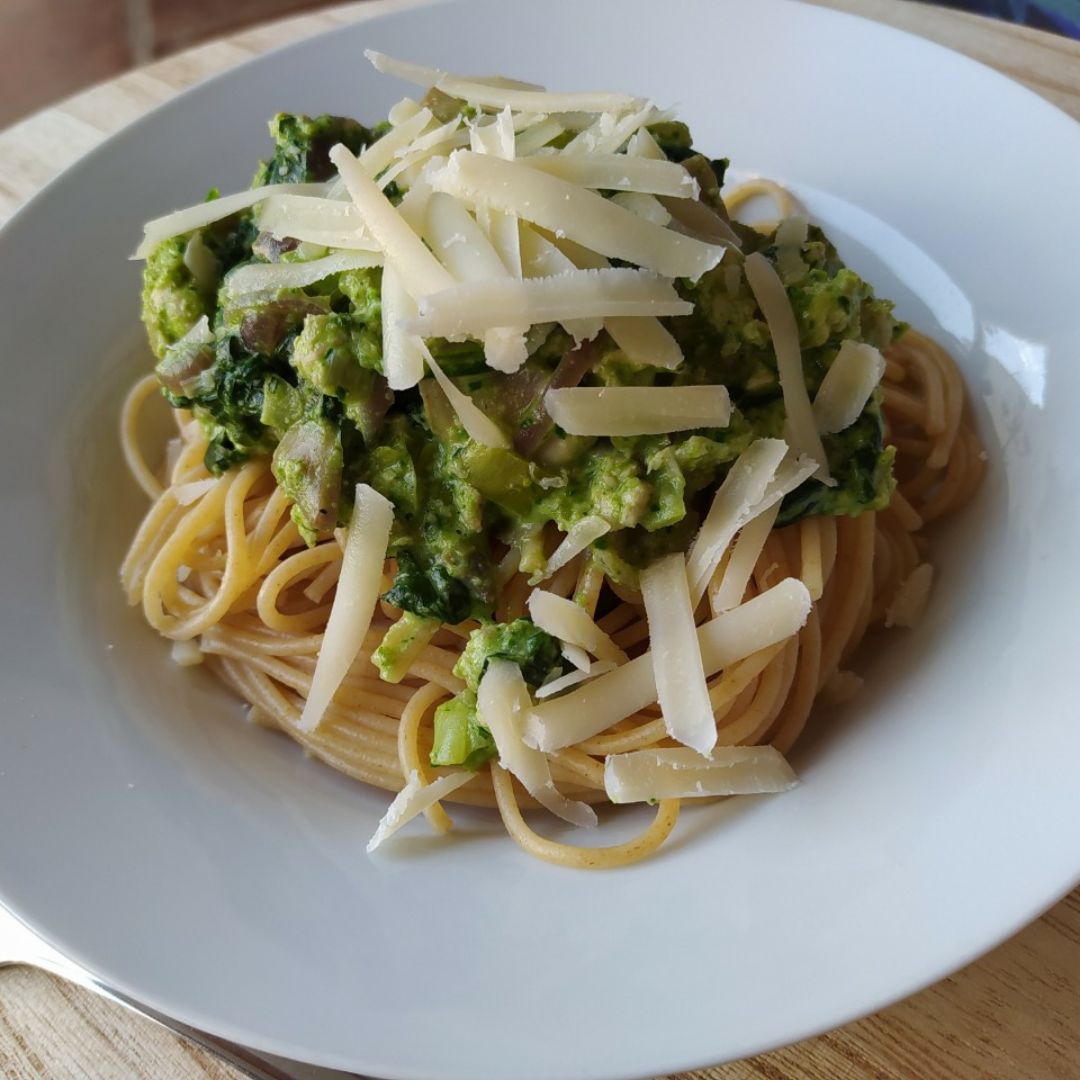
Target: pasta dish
<point>512,469</point>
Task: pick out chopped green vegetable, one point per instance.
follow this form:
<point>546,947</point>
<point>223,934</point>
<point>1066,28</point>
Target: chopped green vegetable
<point>460,738</point>
<point>303,143</point>
<point>534,650</point>
<point>395,649</point>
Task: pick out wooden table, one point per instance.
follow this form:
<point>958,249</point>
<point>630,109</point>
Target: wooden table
<point>1013,1014</point>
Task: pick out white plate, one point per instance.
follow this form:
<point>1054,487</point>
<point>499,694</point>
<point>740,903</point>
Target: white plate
<point>212,871</point>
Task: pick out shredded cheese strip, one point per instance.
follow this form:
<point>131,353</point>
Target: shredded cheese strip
<point>644,775</point>
<point>648,207</point>
<point>536,137</point>
<point>381,153</point>
<point>571,623</point>
<point>479,427</point>
<point>206,213</point>
<point>420,271</point>
<point>412,800</point>
<point>258,277</point>
<point>766,620</point>
<point>637,410</point>
<point>847,386</point>
<point>403,358</point>
<point>573,678</point>
<point>576,656</point>
<point>567,209</point>
<point>473,307</point>
<point>676,654</point>
<point>909,604</point>
<point>502,702</point>
<point>773,300</point>
<point>644,341</point>
<point>329,222</point>
<point>582,533</point>
<point>617,172</point>
<point>492,95</point>
<point>729,592</point>
<point>354,601</point>
<point>607,134</point>
<point>732,506</point>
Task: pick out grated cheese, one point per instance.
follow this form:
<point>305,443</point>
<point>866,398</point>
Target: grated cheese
<point>412,800</point>
<point>259,277</point>
<point>499,93</point>
<point>645,206</point>
<point>581,534</point>
<point>572,678</point>
<point>644,341</point>
<point>403,358</point>
<point>576,656</point>
<point>186,653</point>
<point>617,172</point>
<point>773,300</point>
<point>354,601</point>
<point>480,428</point>
<point>470,308</point>
<point>637,410</point>
<point>744,556</point>
<point>567,209</point>
<point>909,604</point>
<point>318,221</point>
<point>502,702</point>
<point>676,655</point>
<point>643,775</point>
<point>759,623</point>
<point>571,623</point>
<point>847,386</point>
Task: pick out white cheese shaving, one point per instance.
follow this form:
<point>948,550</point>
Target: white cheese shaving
<point>607,133</point>
<point>729,592</point>
<point>379,155</point>
<point>186,653</point>
<point>732,507</point>
<point>645,206</point>
<point>403,110</point>
<point>501,93</point>
<point>572,211</point>
<point>318,221</point>
<point>470,308</point>
<point>572,678</point>
<point>644,341</point>
<point>354,601</point>
<point>479,427</point>
<point>571,623</point>
<point>186,494</point>
<point>413,799</point>
<point>582,533</point>
<point>637,410</point>
<point>617,172</point>
<point>420,271</point>
<point>502,702</point>
<point>576,656</point>
<point>258,277</point>
<point>201,263</point>
<point>759,623</point>
<point>536,137</point>
<point>403,358</point>
<point>847,386</point>
<point>643,775</point>
<point>773,300</point>
<point>676,655</point>
<point>644,145</point>
<point>206,213</point>
<point>909,604</point>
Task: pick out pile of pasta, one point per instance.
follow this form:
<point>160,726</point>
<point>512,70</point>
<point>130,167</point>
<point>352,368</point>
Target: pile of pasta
<point>697,684</point>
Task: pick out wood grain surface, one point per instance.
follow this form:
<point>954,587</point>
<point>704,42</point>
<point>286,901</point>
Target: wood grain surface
<point>1013,1014</point>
